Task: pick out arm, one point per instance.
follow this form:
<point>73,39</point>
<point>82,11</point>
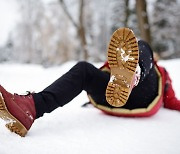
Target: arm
<point>170,100</point>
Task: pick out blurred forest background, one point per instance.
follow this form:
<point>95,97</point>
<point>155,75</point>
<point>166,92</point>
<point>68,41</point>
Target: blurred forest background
<point>53,32</point>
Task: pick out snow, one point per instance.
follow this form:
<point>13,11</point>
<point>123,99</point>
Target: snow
<point>77,130</point>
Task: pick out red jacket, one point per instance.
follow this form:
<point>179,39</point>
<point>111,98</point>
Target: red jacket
<point>166,97</point>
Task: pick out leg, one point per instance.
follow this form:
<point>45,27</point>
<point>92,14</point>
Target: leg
<point>83,76</point>
<point>148,84</point>
<point>146,61</point>
<point>20,111</point>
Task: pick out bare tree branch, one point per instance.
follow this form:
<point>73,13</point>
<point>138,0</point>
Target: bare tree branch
<point>68,14</point>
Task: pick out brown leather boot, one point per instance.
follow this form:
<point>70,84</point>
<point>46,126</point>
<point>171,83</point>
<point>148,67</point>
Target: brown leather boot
<point>123,57</point>
<point>17,110</point>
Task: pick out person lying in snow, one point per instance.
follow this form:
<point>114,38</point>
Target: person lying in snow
<point>129,84</point>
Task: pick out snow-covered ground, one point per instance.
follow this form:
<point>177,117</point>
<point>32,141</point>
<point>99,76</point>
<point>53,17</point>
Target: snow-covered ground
<point>76,130</point>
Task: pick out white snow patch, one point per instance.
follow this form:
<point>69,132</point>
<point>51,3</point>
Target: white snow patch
<point>112,78</point>
<point>125,58</point>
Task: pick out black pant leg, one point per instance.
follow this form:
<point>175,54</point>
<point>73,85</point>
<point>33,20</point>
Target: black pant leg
<point>83,76</point>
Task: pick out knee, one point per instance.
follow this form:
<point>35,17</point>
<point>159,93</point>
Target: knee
<point>84,67</point>
<point>83,64</point>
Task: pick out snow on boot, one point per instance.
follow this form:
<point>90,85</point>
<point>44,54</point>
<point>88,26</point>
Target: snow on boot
<point>123,57</point>
<point>17,110</point>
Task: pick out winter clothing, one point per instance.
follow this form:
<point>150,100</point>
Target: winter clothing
<point>154,88</point>
<point>17,110</point>
<point>165,95</point>
<point>134,107</point>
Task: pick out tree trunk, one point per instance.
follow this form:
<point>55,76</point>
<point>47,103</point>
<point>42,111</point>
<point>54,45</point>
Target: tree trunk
<point>79,26</point>
<point>126,13</point>
<point>143,20</point>
<point>81,30</point>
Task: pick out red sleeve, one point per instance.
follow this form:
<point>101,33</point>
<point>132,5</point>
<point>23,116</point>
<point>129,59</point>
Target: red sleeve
<point>169,99</point>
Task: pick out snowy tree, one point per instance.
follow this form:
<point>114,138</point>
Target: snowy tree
<point>58,31</point>
<point>166,28</point>
<point>28,31</point>
<point>107,17</point>
<point>43,35</point>
<point>79,25</point>
<point>119,13</point>
<point>57,36</point>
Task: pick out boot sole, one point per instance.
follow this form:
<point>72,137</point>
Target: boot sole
<point>123,57</point>
<point>13,124</point>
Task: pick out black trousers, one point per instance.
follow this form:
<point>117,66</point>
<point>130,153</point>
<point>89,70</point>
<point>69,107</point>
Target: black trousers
<point>85,76</point>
